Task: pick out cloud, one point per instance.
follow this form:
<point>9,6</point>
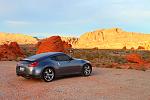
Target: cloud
<point>12,23</point>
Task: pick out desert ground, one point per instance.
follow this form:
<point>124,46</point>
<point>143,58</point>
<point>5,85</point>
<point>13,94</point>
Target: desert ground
<point>103,84</point>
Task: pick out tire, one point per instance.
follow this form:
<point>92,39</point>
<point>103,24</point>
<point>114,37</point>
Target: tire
<point>48,75</point>
<point>86,70</point>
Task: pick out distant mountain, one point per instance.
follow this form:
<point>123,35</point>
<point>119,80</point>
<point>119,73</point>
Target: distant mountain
<point>114,38</point>
<point>19,38</point>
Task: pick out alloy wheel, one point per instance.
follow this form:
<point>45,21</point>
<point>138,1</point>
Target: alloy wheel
<point>48,74</point>
<point>87,70</point>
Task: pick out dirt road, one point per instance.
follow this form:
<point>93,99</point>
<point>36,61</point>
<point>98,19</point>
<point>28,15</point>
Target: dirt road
<point>104,84</point>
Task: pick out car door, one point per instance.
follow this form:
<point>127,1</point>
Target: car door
<point>66,64</point>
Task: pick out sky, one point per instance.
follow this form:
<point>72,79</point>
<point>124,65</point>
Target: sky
<point>42,18</point>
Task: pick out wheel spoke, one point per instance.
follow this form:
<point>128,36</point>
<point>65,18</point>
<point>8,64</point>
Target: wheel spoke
<point>87,70</point>
<point>49,74</point>
<point>49,71</point>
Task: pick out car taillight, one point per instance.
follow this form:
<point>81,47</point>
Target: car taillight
<point>33,64</point>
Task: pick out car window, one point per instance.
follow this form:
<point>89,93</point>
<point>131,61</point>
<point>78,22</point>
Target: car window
<point>62,57</point>
<point>53,58</point>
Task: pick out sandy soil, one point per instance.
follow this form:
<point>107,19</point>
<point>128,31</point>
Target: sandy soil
<point>104,84</point>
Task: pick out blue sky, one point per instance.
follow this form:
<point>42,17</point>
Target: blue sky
<point>43,18</point>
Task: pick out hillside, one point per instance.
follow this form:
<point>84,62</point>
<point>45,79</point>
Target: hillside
<point>114,38</point>
<point>19,38</point>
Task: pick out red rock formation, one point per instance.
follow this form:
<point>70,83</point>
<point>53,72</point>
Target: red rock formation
<point>66,45</point>
<point>132,48</point>
<point>10,51</point>
<point>124,48</point>
<point>135,58</point>
<point>141,48</point>
<point>52,44</point>
<point>16,49</point>
<point>71,40</point>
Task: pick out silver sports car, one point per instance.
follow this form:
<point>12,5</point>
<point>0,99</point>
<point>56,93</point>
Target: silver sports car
<point>48,66</point>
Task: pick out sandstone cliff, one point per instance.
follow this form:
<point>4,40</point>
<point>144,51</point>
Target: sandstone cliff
<point>114,38</point>
<point>19,38</point>
<point>71,40</point>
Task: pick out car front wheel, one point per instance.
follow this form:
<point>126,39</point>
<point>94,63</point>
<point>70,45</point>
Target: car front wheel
<point>48,75</point>
<point>86,70</point>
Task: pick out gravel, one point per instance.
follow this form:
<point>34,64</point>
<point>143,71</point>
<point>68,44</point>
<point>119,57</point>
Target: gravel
<point>103,84</point>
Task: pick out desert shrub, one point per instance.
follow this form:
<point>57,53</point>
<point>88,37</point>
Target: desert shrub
<point>30,54</point>
<point>118,67</point>
<point>77,55</point>
<point>97,65</point>
<point>142,69</point>
<point>19,58</point>
<point>130,67</point>
<point>95,48</point>
<point>105,55</point>
<point>95,55</point>
<point>145,55</point>
<point>119,60</point>
<point>89,57</point>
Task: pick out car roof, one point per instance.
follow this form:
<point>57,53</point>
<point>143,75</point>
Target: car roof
<point>42,55</point>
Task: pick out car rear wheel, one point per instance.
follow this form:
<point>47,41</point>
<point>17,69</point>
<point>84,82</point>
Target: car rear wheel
<point>86,70</point>
<point>48,75</point>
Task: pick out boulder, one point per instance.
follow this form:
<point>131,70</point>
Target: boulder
<point>52,44</point>
<point>132,48</point>
<point>10,51</point>
<point>135,58</point>
<point>16,49</point>
<point>124,48</point>
<point>141,48</point>
<point>66,45</point>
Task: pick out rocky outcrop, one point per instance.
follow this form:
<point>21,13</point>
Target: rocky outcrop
<point>52,44</point>
<point>141,48</point>
<point>114,38</point>
<point>11,51</point>
<point>19,38</point>
<point>66,45</point>
<point>133,61</point>
<point>124,48</point>
<point>71,40</point>
<point>134,58</point>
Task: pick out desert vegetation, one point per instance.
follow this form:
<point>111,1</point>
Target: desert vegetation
<point>115,58</point>
<point>103,58</point>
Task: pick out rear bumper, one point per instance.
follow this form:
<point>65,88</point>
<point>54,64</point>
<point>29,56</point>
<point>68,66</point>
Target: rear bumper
<point>28,76</point>
<point>28,72</point>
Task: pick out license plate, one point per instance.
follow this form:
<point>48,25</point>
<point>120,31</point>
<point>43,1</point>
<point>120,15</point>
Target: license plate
<point>21,69</point>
